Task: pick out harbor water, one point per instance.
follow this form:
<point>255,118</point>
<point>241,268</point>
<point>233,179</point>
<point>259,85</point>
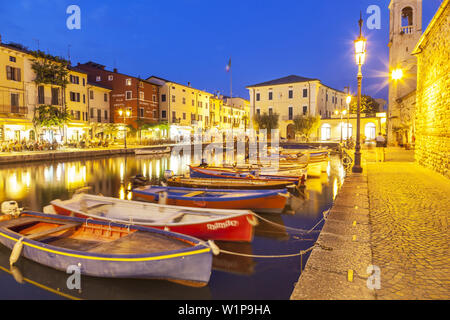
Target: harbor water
<point>34,185</point>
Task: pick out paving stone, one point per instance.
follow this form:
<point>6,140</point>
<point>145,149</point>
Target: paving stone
<point>323,285</point>
<point>403,225</point>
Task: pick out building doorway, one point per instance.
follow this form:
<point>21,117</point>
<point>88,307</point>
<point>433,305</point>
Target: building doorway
<point>325,132</point>
<point>370,131</point>
<point>290,132</point>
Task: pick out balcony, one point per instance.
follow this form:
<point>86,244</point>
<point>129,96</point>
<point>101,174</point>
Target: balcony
<point>406,30</point>
<point>13,109</point>
<point>49,101</point>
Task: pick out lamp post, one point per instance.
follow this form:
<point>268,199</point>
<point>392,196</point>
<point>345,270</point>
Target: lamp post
<point>342,113</point>
<point>396,76</point>
<point>348,101</point>
<point>125,114</point>
<point>360,55</point>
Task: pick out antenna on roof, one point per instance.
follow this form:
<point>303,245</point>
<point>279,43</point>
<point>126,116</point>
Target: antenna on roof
<point>37,40</point>
<point>68,52</point>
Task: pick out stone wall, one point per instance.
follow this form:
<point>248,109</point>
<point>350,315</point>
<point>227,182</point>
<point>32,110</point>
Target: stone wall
<point>433,94</point>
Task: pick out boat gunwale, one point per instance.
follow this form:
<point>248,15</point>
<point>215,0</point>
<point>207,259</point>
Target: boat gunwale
<point>293,179</point>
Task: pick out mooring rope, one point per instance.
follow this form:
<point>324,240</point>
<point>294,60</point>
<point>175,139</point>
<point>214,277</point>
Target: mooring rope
<point>302,231</point>
<point>216,251</point>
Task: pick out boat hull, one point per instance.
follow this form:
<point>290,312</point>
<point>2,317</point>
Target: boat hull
<point>190,264</point>
<point>260,201</point>
<point>237,228</point>
<point>268,204</point>
<point>226,184</point>
<point>196,172</point>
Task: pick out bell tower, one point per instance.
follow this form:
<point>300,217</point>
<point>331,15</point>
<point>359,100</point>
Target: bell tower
<point>405,30</point>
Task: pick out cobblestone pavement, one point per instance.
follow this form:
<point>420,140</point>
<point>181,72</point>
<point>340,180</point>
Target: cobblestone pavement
<point>409,210</point>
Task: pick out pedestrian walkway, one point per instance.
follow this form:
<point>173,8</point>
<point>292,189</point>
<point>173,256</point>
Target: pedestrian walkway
<point>400,216</point>
<point>409,210</point>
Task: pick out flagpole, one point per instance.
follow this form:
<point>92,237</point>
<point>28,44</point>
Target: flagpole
<point>231,104</point>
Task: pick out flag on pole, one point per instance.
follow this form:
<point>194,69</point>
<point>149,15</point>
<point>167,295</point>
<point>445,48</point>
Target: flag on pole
<point>228,67</point>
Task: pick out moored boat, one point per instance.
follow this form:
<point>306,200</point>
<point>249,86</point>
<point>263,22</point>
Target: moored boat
<point>106,249</point>
<point>242,184</point>
<point>256,200</point>
<point>213,224</point>
<point>226,173</point>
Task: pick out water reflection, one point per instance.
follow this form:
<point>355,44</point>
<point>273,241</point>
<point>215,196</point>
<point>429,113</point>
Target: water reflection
<point>233,277</point>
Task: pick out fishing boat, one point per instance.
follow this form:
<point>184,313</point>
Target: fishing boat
<point>213,224</point>
<point>256,200</point>
<point>225,173</point>
<point>242,184</point>
<point>316,161</point>
<point>151,151</point>
<point>54,282</point>
<point>105,249</point>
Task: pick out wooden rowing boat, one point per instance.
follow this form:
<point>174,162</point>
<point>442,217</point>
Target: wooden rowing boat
<point>256,200</point>
<point>229,225</point>
<point>226,173</point>
<point>316,161</point>
<point>40,277</point>
<point>106,249</point>
<point>248,184</point>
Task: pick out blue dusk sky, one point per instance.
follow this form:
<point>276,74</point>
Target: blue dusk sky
<point>192,41</point>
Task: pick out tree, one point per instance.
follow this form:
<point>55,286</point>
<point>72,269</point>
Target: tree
<point>368,105</point>
<point>306,125</point>
<point>46,116</point>
<point>266,121</point>
<point>111,129</point>
<point>50,70</point>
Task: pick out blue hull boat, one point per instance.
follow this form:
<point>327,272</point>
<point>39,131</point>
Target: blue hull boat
<point>257,200</point>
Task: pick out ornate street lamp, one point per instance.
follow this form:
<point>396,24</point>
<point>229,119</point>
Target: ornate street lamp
<point>360,55</point>
<point>348,101</point>
<point>125,115</point>
<point>342,113</point>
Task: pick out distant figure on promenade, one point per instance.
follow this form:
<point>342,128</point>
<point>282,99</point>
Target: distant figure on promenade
<point>380,140</point>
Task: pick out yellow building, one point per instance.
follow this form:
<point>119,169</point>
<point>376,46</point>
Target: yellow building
<point>215,112</point>
<point>183,107</point>
<point>292,96</point>
<point>77,105</point>
<point>240,113</point>
<point>99,108</point>
<point>15,116</point>
<point>333,127</point>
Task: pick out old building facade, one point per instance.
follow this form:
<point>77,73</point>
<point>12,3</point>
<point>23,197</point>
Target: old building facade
<point>432,119</point>
<point>133,101</point>
<point>183,107</point>
<point>404,32</point>
<point>15,114</point>
<point>99,108</point>
<point>292,96</point>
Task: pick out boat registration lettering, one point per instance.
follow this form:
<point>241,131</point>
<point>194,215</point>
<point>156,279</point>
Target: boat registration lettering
<point>222,225</point>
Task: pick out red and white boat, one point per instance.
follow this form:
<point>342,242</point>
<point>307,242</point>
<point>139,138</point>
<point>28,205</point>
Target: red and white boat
<point>213,224</point>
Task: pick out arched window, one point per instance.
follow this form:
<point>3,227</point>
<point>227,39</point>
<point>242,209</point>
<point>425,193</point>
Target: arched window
<point>347,132</point>
<point>370,131</point>
<point>325,132</point>
<point>407,17</point>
